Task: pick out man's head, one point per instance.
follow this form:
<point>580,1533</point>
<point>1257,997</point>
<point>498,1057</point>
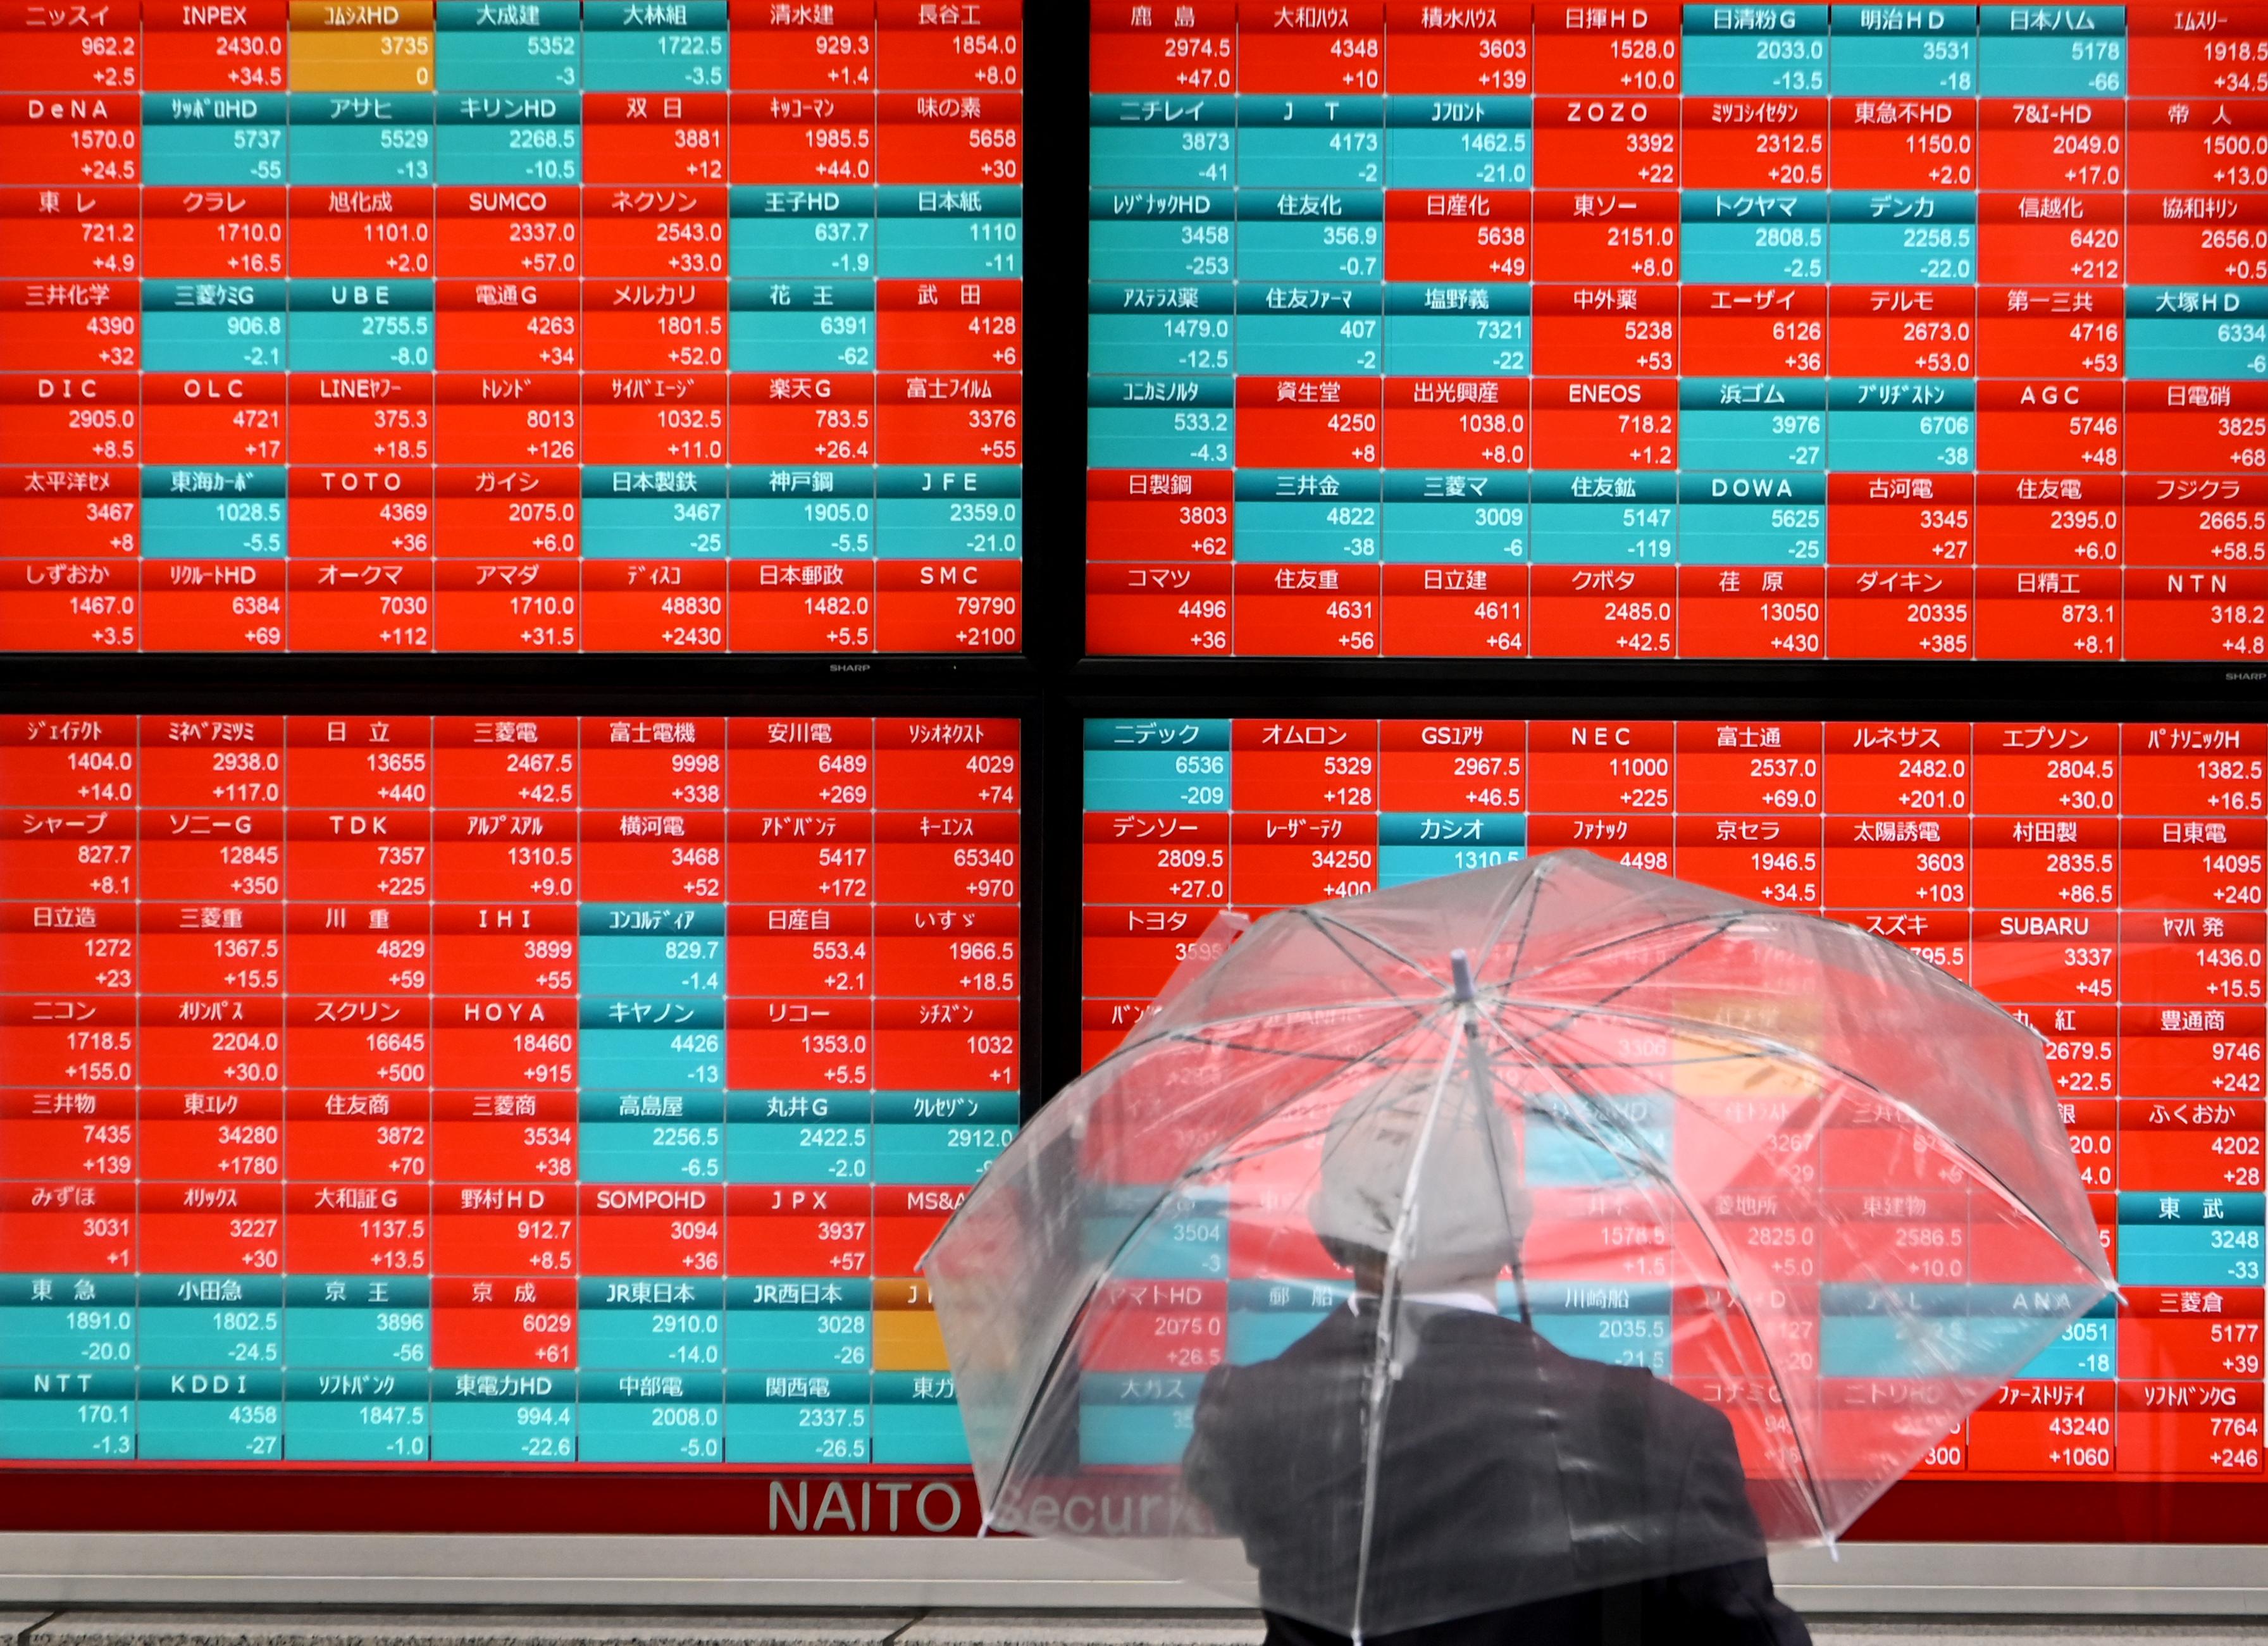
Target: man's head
<point>1467,1211</point>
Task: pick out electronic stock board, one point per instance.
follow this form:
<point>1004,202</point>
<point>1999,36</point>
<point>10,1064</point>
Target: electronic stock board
<point>1711,331</point>
<point>443,326</point>
<point>428,1091</point>
<point>466,1094</point>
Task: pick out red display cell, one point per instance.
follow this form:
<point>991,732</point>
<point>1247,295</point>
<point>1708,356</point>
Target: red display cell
<point>507,1322</point>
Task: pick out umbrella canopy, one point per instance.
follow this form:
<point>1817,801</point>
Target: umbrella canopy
<point>1742,1177</point>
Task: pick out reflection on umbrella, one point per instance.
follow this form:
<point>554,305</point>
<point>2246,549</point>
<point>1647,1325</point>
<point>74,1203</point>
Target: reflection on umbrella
<point>1512,1237</point>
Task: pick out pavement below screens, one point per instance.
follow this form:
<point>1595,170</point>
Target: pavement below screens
<point>248,1627</point>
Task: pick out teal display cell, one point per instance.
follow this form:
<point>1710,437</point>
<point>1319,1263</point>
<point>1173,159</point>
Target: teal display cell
<point>950,528</point>
<point>243,1335</point>
<point>1618,1339</point>
<point>657,966</point>
<point>83,1322</point>
<point>1327,341</point>
<point>1160,436</point>
<point>1748,439</point>
<point>916,1420</point>
<point>798,1417</point>
<point>1352,247</point>
<point>202,139</point>
<point>1457,532</point>
<point>503,1418</point>
<point>952,1152</point>
<point>2224,347</point>
<point>654,528</point>
<point>1155,780</point>
<point>1465,157</point>
<point>1158,155</point>
<point>211,1417</point>
<point>650,1151</point>
<point>507,59</point>
<point>2083,54</point>
<point>790,340</point>
<point>2188,1255</point>
<point>1771,252</point>
<point>1184,1244</point>
<point>1271,155</point>
<point>1902,441</point>
<point>1135,1419</point>
<point>338,1325</point>
<point>833,1147</point>
<point>805,248</point>
<point>786,1335</point>
<point>646,59</point>
<point>1399,866</point>
<point>2088,1348</point>
<point>231,339</point>
<point>1786,57</point>
<point>1166,345</point>
<point>651,1417</point>
<point>1616,532</point>
<point>1928,51</point>
<point>667,1060</point>
<point>1890,1345</point>
<point>213,528</point>
<point>1784,533</point>
<point>1193,248</point>
<point>369,340</point>
<point>949,247</point>
<point>650,1338</point>
<point>375,1417</point>
<point>71,1415</point>
<point>807,528</point>
<point>1457,345</point>
<point>1902,253</point>
<point>392,142</point>
<point>1567,1152</point>
<point>548,152</point>
<point>1327,531</point>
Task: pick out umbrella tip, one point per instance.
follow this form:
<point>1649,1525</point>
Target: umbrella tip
<point>1461,977</point>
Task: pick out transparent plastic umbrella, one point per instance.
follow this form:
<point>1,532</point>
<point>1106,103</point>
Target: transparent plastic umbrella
<point>1508,1235</point>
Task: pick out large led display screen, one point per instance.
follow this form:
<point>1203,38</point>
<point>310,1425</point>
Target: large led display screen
<point>2104,882</point>
<point>495,1090</point>
<point>432,326</point>
<point>1759,332</point>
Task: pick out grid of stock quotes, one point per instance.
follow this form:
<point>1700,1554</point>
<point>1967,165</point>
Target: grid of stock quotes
<point>395,1090</point>
<point>2103,882</point>
<point>1763,332</point>
<point>546,325</point>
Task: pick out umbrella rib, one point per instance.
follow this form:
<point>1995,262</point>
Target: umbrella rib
<point>1661,966</point>
<point>1065,1336</point>
<point>1129,1047</point>
<point>1716,1248</point>
<point>1330,926</point>
<point>1527,897</point>
<point>1812,1060</point>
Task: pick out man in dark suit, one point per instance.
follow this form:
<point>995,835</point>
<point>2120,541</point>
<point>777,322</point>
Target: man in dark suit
<point>1518,1495</point>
